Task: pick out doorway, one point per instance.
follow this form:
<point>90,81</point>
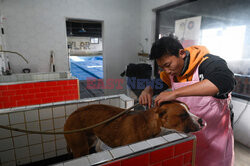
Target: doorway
<point>85,50</point>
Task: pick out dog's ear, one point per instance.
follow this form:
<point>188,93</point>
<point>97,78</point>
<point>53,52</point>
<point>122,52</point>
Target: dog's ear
<point>162,113</point>
<point>184,116</point>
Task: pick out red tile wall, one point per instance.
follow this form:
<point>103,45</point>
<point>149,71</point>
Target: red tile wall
<point>176,155</point>
<point>38,93</point>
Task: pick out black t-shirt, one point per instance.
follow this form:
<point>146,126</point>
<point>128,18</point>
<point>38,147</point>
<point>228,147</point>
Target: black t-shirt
<point>214,69</point>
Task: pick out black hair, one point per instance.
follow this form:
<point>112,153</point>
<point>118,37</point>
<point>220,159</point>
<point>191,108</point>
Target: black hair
<point>165,46</point>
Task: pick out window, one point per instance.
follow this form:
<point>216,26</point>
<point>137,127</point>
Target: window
<point>94,40</point>
<point>219,40</point>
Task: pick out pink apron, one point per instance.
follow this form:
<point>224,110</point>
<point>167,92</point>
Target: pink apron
<point>215,142</point>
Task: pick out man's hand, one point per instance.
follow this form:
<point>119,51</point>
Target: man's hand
<point>165,96</point>
<point>146,97</point>
<point>202,88</point>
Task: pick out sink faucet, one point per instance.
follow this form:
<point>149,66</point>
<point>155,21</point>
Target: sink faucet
<point>13,52</point>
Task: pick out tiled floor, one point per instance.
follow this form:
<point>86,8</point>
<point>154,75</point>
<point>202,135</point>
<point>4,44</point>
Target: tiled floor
<point>85,92</point>
<point>242,155</point>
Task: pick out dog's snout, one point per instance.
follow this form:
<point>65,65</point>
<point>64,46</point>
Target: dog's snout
<point>200,121</point>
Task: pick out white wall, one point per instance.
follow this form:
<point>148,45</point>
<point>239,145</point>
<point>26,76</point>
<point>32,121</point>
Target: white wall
<point>148,18</point>
<point>35,27</point>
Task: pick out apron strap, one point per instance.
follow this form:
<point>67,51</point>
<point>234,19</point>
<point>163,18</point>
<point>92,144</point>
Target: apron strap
<point>196,74</point>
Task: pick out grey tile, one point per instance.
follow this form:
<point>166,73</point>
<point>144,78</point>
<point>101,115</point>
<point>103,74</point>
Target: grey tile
<point>115,102</point>
<point>156,141</point>
<point>78,162</point>
<point>120,151</point>
<point>183,135</point>
<point>4,119</point>
<point>7,156</point>
<point>22,152</point>
<point>45,113</point>
<point>136,147</point>
<point>100,157</point>
<point>31,115</point>
<point>172,137</point>
<point>16,118</point>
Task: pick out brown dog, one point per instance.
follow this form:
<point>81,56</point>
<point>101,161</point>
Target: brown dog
<point>129,128</point>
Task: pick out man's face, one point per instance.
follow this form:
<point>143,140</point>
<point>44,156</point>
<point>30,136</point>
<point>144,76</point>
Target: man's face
<point>171,64</point>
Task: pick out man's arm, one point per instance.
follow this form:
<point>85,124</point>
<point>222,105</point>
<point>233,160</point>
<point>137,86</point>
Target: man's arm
<point>147,94</point>
<point>202,88</point>
<point>218,82</point>
<point>215,69</point>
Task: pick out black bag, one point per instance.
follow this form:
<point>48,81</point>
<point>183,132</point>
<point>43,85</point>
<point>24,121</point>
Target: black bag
<point>141,71</point>
<point>134,72</point>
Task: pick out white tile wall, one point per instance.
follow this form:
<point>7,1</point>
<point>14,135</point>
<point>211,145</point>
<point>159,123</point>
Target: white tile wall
<point>59,122</point>
<point>22,152</point>
<point>16,118</point>
<point>6,144</point>
<point>49,146</point>
<point>81,105</point>
<point>156,141</point>
<point>47,125</point>
<point>4,133</point>
<point>183,135</point>
<point>60,144</point>
<point>37,158</point>
<point>7,156</point>
<point>61,152</point>
<point>12,163</point>
<point>58,111</point>
<point>4,119</point>
<point>130,104</point>
<point>104,102</point>
<point>45,117</point>
<point>78,162</point>
<point>140,146</point>
<point>36,149</point>
<point>58,136</point>
<point>122,104</point>
<point>115,102</point>
<point>70,108</point>
<point>34,126</point>
<point>20,141</point>
<point>172,137</point>
<point>121,151</point>
<point>31,115</point>
<point>23,161</point>
<point>19,126</point>
<point>46,138</point>
<point>93,102</point>
<point>45,113</point>
<point>100,157</point>
<point>50,154</point>
<point>34,139</point>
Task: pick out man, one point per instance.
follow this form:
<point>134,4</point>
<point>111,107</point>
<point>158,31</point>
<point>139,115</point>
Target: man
<point>204,82</point>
